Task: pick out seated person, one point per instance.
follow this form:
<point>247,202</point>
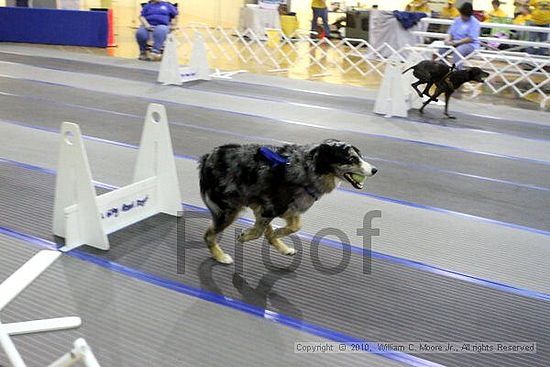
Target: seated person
<point>157,17</point>
<point>463,34</point>
<point>450,11</point>
<point>497,12</point>
<point>518,4</point>
<point>522,18</point>
<point>540,17</point>
<point>524,15</point>
<point>419,6</point>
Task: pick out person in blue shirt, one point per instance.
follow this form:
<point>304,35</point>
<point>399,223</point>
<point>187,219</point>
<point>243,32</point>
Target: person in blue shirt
<point>158,17</point>
<point>463,34</point>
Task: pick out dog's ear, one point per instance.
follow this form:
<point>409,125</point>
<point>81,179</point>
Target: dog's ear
<point>328,154</point>
<point>323,156</point>
<point>324,149</point>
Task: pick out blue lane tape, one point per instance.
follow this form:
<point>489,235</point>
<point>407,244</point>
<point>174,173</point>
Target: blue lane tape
<point>28,238</point>
<point>354,192</point>
<point>315,92</point>
<point>267,120</point>
<point>357,250</point>
<point>408,119</point>
<point>450,212</point>
<point>427,168</point>
<point>216,298</point>
<point>410,263</point>
<point>260,138</point>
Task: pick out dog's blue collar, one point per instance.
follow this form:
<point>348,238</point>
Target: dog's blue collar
<point>273,157</point>
<point>277,160</point>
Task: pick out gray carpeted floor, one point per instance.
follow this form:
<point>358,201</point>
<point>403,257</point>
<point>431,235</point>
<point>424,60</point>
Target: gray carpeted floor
<point>461,255</point>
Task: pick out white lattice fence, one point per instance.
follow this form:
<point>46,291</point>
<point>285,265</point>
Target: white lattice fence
<point>523,74</point>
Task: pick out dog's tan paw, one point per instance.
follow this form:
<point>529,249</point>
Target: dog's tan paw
<point>289,251</point>
<point>224,259</point>
<point>281,247</point>
<point>285,250</point>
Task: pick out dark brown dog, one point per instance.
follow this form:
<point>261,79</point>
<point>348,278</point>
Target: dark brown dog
<point>429,73</point>
<point>449,84</point>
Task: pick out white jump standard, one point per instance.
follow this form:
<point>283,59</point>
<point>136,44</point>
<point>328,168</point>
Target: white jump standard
<point>170,71</point>
<point>83,218</point>
<point>395,97</point>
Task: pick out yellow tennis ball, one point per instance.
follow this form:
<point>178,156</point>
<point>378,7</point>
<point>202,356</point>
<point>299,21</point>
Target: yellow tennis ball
<point>357,177</point>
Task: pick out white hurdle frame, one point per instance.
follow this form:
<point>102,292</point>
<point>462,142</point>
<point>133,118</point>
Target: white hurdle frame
<point>170,72</point>
<point>83,218</point>
<point>81,352</point>
<point>11,288</point>
<point>395,97</point>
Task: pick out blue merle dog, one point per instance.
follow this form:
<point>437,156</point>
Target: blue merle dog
<point>274,181</point>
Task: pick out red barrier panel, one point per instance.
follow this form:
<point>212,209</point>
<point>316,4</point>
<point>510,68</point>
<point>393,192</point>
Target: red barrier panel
<point>111,30</point>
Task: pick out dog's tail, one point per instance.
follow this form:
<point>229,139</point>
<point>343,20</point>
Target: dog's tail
<point>205,184</point>
<point>202,172</point>
<point>412,67</point>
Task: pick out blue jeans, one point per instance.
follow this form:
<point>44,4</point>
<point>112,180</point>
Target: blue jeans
<point>159,36</point>
<point>323,14</point>
<point>465,49</point>
<point>538,37</point>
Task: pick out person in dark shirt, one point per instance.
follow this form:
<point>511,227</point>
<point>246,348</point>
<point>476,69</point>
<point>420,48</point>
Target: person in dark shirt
<point>158,17</point>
